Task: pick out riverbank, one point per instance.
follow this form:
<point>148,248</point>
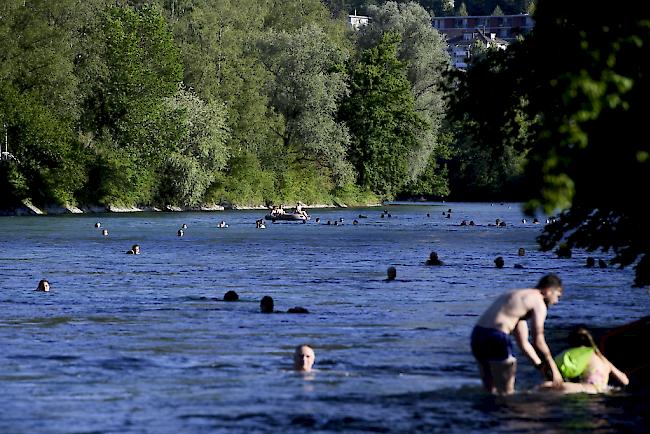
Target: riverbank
<point>27,208</point>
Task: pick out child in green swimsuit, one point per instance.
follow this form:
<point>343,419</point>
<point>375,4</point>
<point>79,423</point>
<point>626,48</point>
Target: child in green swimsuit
<point>584,364</point>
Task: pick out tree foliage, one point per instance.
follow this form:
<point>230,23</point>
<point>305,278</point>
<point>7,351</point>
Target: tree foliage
<point>381,115</point>
<point>423,50</point>
<point>583,107</point>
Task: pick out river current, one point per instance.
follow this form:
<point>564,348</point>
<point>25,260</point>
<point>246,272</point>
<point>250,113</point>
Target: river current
<point>143,343</point>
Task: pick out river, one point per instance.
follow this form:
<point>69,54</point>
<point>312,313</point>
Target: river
<point>142,343</point>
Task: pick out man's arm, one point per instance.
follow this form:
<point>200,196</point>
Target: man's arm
<point>539,342</point>
<point>521,337</point>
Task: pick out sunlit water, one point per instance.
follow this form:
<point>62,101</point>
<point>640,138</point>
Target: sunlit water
<point>131,344</point>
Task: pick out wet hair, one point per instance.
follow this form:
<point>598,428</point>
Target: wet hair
<point>266,304</point>
<point>41,284</point>
<point>499,262</point>
<point>392,273</point>
<point>549,281</point>
<point>230,296</point>
<point>579,336</point>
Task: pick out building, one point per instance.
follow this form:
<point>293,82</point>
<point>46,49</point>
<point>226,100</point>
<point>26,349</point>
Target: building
<point>357,21</point>
<point>489,31</point>
<point>460,47</point>
<point>506,27</point>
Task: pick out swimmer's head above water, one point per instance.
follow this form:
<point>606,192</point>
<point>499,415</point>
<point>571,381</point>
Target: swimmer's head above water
<point>303,358</point>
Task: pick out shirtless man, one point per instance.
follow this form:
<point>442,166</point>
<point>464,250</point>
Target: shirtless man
<point>508,314</point>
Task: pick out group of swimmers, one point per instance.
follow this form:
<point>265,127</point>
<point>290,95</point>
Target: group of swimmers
<point>580,369</point>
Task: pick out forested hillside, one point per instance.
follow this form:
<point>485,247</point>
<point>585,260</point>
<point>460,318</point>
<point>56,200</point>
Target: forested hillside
<point>178,102</point>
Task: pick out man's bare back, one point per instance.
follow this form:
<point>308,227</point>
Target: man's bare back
<point>510,307</point>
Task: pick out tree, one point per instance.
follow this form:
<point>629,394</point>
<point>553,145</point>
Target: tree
<point>38,101</point>
<point>497,11</point>
<point>424,52</point>
<point>306,88</point>
<point>143,68</point>
<point>380,113</point>
<point>198,141</point>
<point>462,10</point>
<point>585,110</point>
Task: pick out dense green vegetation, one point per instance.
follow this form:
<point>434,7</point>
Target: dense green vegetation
<point>177,102</point>
<point>572,101</point>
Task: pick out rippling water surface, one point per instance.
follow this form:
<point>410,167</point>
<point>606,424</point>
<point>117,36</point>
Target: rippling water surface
<point>143,343</point>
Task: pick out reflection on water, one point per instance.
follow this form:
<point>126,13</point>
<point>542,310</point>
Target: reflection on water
<point>127,343</point>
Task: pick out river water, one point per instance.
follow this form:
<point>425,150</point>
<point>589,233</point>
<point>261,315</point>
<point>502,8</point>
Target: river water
<point>132,344</point>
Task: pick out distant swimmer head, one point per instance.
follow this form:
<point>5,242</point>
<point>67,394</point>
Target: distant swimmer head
<point>382,215</point>
<point>266,304</point>
<point>428,214</point>
<point>180,233</point>
<point>602,264</point>
<point>355,222</point>
<point>43,285</point>
<point>535,221</point>
<point>502,224</point>
<point>591,262</point>
<point>317,219</point>
<point>184,226</point>
<point>98,225</point>
<point>499,262</point>
<point>391,273</point>
<point>433,259</point>
<point>471,223</point>
<point>521,251</point>
<point>105,232</point>
<point>303,358</point>
<point>135,250</point>
<point>463,223</point>
<point>231,296</point>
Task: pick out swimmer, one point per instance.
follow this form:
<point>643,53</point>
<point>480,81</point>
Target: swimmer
<point>463,223</point>
<point>180,233</point>
<point>591,262</point>
<point>355,222</point>
<point>584,362</point>
<point>98,225</point>
<point>297,309</point>
<point>499,262</point>
<point>222,224</point>
<point>43,286</point>
<point>521,251</point>
<point>535,221</point>
<point>105,232</point>
<point>391,273</point>
<point>184,226</point>
<point>303,358</point>
<point>266,304</point>
<point>502,224</point>
<point>135,250</point>
<point>433,259</point>
<point>471,223</point>
<point>428,214</point>
<point>317,219</point>
<point>509,315</point>
<point>602,264</point>
<point>231,296</point>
